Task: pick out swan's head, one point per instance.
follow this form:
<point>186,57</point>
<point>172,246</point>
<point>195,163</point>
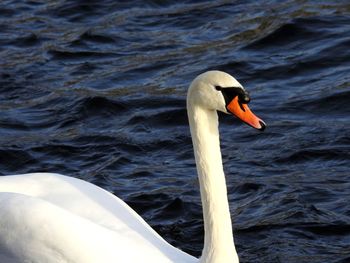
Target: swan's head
<point>217,90</point>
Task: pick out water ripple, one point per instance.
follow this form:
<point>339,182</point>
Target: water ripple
<point>97,90</point>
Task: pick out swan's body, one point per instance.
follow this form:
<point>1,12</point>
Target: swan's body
<point>54,218</point>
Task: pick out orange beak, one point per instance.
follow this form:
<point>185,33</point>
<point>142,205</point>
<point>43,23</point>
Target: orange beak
<point>243,112</point>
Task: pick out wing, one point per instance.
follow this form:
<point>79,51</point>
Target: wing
<point>64,219</point>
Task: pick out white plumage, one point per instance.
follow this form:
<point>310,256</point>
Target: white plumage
<point>49,218</point>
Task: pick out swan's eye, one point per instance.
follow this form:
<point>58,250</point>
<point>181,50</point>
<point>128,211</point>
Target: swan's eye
<point>230,93</point>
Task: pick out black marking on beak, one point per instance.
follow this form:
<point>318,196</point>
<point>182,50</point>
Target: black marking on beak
<point>230,93</point>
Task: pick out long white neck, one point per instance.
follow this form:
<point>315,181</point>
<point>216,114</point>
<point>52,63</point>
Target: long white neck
<point>218,240</point>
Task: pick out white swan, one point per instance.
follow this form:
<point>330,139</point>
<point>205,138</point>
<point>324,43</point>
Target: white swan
<point>54,218</point>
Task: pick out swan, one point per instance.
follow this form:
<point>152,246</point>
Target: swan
<point>46,217</point>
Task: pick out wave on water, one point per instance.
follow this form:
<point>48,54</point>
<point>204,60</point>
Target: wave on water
<point>97,90</point>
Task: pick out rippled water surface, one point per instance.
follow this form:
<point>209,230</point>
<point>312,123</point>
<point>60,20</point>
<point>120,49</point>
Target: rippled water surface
<point>96,90</point>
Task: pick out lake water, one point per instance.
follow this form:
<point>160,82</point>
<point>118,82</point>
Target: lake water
<point>96,90</point>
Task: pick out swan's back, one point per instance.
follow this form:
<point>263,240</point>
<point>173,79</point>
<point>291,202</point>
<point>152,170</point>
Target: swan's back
<point>54,218</point>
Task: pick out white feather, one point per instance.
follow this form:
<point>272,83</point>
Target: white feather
<point>51,218</point>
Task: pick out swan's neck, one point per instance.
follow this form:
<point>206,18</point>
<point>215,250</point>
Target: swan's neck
<point>218,240</point>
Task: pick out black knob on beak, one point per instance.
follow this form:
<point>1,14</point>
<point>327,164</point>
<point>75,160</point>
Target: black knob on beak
<point>244,98</point>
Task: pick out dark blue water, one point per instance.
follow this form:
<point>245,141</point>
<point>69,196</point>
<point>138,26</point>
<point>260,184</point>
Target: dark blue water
<point>96,90</point>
